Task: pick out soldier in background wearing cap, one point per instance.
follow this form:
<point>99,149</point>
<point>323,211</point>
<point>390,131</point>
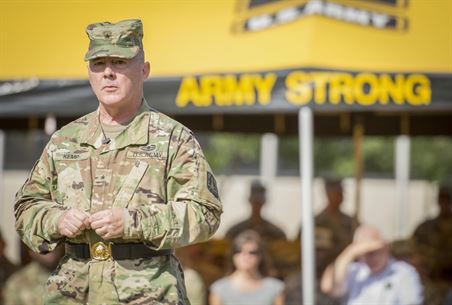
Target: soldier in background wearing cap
<point>332,218</point>
<point>120,187</point>
<point>435,235</point>
<point>266,229</point>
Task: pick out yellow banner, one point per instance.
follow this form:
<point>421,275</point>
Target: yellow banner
<point>46,39</point>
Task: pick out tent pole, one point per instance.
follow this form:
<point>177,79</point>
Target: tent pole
<point>2,155</point>
<point>4,213</point>
<point>358,135</point>
<point>305,132</point>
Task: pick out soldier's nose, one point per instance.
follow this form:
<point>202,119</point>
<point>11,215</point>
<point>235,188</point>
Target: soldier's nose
<point>108,72</point>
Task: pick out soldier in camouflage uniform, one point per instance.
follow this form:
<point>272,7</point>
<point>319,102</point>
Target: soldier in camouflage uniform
<point>267,230</point>
<point>120,187</point>
<point>333,219</point>
<point>435,235</point>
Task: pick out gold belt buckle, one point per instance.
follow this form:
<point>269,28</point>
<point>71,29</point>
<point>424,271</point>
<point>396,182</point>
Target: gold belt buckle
<point>100,251</point>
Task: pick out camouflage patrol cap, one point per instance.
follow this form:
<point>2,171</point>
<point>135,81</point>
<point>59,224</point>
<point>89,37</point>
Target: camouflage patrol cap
<point>122,39</point>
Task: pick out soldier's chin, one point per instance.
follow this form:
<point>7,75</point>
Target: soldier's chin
<point>111,99</point>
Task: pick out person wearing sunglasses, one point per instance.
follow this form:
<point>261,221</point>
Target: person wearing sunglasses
<point>247,283</point>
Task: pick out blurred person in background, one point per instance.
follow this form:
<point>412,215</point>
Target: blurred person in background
<point>436,234</point>
<point>27,286</point>
<point>121,187</point>
<point>256,222</point>
<point>366,273</point>
<point>332,218</point>
<point>248,283</point>
<point>6,267</point>
<point>419,257</point>
<point>323,246</point>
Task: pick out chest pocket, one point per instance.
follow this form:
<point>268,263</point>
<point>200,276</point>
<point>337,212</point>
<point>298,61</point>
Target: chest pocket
<point>73,172</point>
<point>151,188</point>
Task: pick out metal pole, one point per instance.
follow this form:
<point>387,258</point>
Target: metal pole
<point>305,132</point>
<point>402,174</point>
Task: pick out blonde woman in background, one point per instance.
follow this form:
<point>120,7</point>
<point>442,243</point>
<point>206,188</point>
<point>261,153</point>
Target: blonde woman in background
<point>248,283</point>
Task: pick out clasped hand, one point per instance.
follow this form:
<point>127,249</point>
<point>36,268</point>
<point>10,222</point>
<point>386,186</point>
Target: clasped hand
<point>108,224</point>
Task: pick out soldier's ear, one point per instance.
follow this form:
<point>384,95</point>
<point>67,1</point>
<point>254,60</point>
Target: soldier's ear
<point>146,69</point>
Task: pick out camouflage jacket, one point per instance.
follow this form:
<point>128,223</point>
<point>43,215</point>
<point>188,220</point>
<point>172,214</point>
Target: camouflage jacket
<point>155,169</point>
<point>341,227</point>
<point>266,230</point>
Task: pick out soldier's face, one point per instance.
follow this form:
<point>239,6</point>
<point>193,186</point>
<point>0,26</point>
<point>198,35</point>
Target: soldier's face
<point>335,197</point>
<point>257,203</point>
<point>117,82</point>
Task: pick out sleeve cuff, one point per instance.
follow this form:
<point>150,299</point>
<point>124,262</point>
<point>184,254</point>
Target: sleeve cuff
<point>51,223</point>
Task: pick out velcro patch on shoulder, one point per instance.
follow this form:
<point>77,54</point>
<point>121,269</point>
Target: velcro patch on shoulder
<point>212,185</point>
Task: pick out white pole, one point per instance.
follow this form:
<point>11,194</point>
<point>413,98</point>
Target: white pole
<point>402,174</point>
<point>358,164</point>
<point>269,158</point>
<point>305,131</point>
<point>2,180</point>
<point>3,211</point>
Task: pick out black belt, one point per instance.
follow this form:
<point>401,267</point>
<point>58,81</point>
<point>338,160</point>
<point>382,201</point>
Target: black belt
<point>106,250</point>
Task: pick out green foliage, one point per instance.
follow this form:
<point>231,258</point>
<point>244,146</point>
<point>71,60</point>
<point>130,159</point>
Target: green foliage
<point>378,153</point>
<point>227,152</point>
<point>334,156</point>
<point>431,157</point>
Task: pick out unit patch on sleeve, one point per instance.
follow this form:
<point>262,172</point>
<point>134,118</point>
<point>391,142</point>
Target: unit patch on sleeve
<point>212,185</point>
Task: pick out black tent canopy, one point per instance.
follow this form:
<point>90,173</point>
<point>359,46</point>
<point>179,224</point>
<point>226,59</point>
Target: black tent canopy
<point>244,108</point>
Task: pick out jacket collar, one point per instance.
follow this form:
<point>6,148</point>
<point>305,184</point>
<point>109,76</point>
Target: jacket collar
<point>137,132</point>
